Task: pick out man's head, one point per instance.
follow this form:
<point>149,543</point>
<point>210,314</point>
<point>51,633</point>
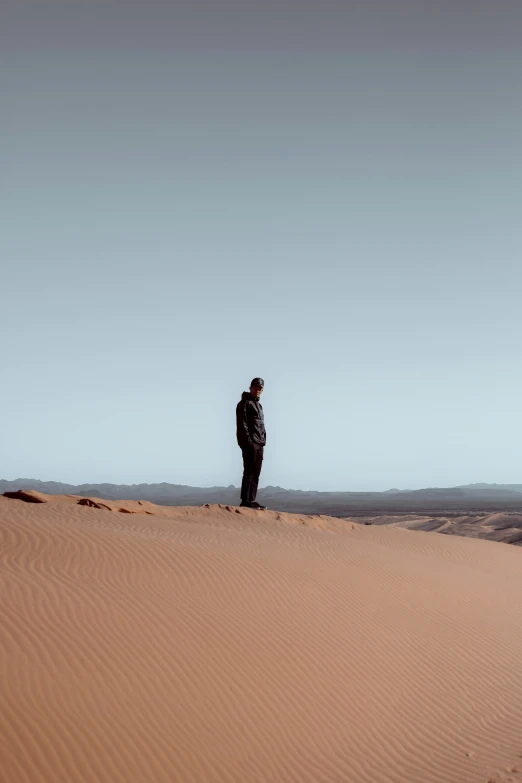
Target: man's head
<point>256,387</point>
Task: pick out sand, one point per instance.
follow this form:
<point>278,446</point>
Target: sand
<point>498,526</point>
<point>202,645</point>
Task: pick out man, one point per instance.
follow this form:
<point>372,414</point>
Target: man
<point>251,437</point>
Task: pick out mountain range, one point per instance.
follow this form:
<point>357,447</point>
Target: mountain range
<point>466,498</point>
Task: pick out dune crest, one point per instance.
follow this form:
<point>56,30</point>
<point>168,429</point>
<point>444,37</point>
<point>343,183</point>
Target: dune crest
<point>202,644</point>
<point>27,495</point>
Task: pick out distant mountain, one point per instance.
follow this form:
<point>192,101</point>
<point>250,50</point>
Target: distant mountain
<point>473,497</point>
<point>500,487</point>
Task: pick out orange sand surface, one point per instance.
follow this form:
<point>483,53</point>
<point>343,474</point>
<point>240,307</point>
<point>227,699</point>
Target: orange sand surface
<point>223,645</point>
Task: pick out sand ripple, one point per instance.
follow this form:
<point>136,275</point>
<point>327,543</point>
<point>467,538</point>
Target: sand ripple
<point>202,645</point>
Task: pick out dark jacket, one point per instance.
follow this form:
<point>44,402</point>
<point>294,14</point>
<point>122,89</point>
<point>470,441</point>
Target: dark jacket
<point>250,422</point>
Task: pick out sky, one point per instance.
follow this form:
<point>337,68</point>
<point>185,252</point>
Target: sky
<point>324,194</point>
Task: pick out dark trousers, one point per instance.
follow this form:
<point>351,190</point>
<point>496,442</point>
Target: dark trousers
<point>252,461</point>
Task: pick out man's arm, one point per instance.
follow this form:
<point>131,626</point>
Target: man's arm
<point>243,433</point>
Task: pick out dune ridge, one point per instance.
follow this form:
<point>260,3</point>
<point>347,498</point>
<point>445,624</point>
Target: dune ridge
<point>504,527</point>
<point>199,644</point>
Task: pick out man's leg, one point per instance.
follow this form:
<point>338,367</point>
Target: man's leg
<point>256,471</point>
<point>248,469</point>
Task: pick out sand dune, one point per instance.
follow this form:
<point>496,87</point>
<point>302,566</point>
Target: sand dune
<point>505,527</point>
<point>216,644</point>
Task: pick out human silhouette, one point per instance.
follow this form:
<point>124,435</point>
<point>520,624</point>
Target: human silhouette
<point>251,437</point>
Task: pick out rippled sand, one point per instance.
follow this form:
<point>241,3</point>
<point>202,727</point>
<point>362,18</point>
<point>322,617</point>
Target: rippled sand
<point>213,644</point>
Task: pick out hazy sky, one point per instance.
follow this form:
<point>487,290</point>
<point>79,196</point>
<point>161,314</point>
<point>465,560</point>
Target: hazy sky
<point>326,194</point>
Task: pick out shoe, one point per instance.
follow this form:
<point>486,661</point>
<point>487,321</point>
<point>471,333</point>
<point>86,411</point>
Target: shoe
<point>257,505</point>
<point>246,505</point>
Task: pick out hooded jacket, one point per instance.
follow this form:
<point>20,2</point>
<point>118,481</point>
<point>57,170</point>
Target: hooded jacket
<point>250,422</point>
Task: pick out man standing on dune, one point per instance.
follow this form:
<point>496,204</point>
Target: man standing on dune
<point>251,437</point>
